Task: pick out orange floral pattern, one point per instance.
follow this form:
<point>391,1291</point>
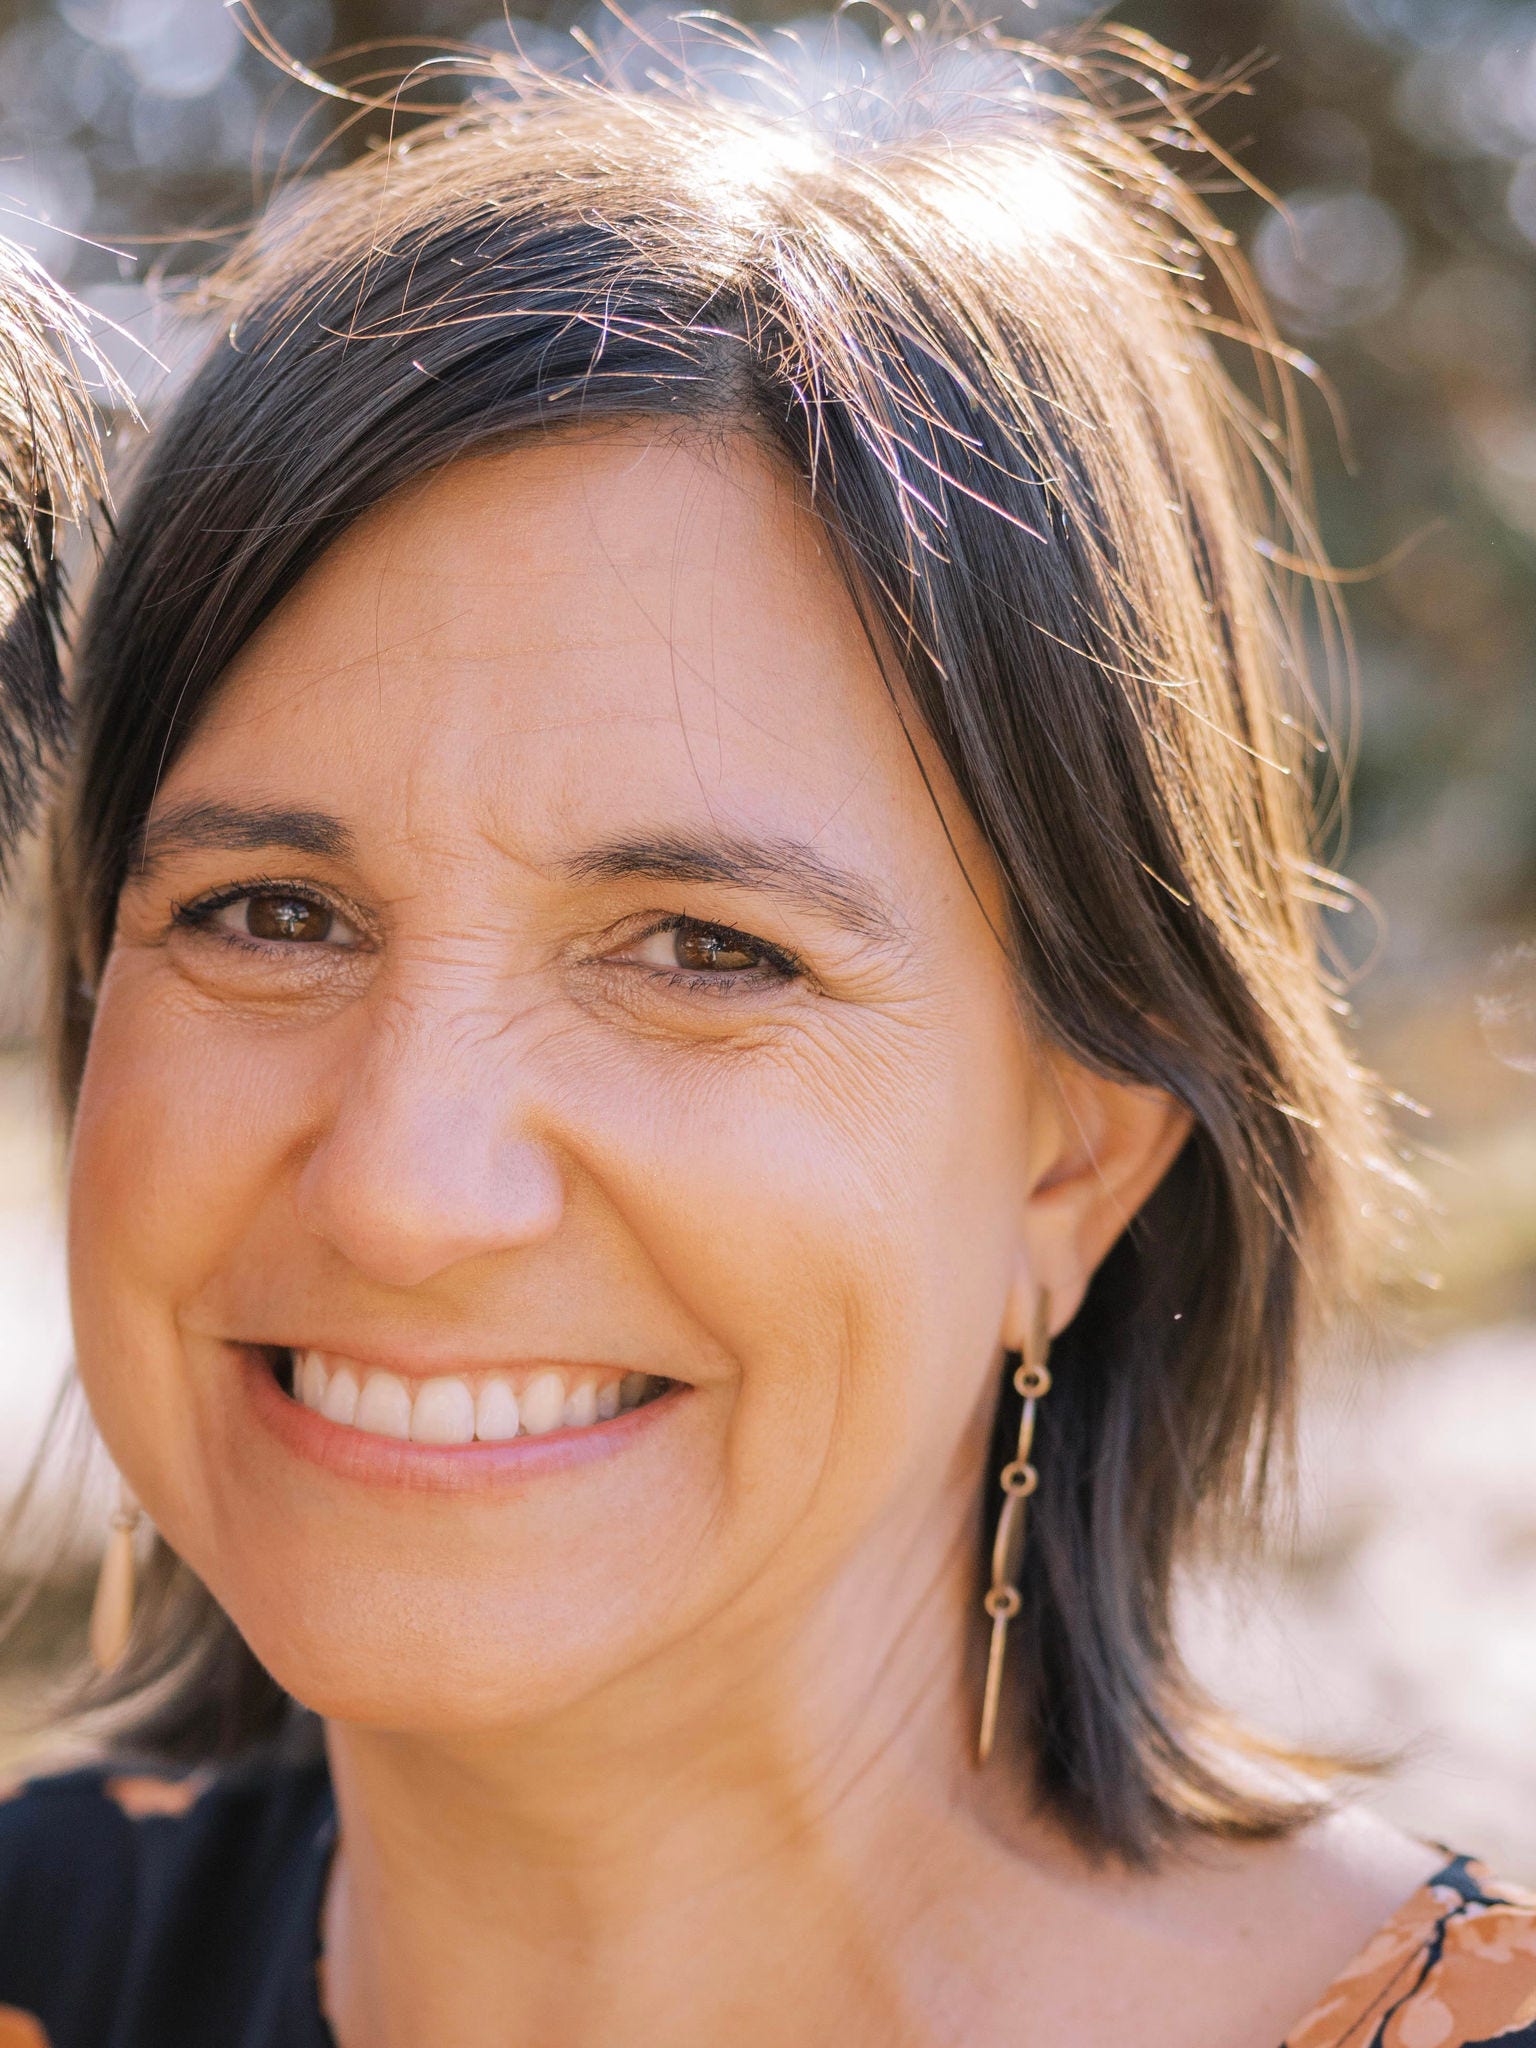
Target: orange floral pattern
<point>19,2029</point>
<point>1453,1968</point>
<point>140,1796</point>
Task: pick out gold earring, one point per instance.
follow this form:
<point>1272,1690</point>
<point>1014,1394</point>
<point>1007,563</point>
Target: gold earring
<point>112,1608</point>
<point>1018,1479</point>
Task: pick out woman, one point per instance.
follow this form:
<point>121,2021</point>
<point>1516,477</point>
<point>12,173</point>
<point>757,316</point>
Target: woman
<point>683,853</point>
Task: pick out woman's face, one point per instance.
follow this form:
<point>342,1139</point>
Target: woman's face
<point>549,965</point>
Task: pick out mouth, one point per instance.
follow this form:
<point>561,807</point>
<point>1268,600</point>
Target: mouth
<point>451,1409</point>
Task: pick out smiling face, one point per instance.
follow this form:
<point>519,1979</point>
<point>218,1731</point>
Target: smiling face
<point>558,1151</point>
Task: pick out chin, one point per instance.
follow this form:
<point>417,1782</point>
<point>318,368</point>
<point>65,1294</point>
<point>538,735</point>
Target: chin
<point>405,1669</point>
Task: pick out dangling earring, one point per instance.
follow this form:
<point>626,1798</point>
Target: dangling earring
<point>1019,1480</point>
<point>112,1608</point>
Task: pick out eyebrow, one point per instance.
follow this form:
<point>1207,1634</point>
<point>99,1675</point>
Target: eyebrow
<point>790,868</point>
<point>787,867</point>
<point>237,828</point>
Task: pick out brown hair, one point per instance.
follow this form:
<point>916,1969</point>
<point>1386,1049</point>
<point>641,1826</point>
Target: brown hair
<point>49,473</point>
<point>963,302</point>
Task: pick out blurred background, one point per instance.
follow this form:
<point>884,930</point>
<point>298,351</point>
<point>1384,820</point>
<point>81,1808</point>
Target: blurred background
<point>1397,1605</point>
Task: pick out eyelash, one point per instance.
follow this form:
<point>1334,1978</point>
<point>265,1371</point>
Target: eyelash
<point>784,965</point>
<point>198,915</point>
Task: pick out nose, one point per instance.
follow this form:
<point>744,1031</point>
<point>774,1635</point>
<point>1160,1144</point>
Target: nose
<point>430,1157</point>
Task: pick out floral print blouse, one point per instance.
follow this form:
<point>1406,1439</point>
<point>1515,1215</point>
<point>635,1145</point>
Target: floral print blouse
<point>1455,1967</point>
<point>139,1911</point>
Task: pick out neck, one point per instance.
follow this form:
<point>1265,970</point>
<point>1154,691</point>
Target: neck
<point>648,1863</point>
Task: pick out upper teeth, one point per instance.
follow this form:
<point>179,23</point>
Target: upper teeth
<point>458,1411</point>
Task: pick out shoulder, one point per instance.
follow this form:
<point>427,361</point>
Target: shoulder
<point>116,1883</point>
<point>1302,1925</point>
<point>1453,1967</point>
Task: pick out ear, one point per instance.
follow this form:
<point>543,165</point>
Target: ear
<point>1104,1146</point>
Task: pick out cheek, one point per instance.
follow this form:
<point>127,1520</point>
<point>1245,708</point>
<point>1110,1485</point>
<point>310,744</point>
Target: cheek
<point>176,1135</point>
<point>842,1219</point>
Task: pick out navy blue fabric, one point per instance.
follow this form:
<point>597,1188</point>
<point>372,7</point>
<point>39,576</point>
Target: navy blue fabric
<point>125,1923</point>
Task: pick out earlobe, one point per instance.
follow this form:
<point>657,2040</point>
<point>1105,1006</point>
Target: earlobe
<point>1022,1318</point>
<point>1116,1143</point>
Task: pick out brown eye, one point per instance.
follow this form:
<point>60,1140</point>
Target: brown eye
<point>713,952</point>
<point>271,916</point>
<point>287,917</point>
<point>697,949</point>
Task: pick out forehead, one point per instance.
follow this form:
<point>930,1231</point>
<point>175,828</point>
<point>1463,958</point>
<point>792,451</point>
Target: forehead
<point>591,630</point>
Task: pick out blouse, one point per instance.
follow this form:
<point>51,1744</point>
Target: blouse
<point>143,1911</point>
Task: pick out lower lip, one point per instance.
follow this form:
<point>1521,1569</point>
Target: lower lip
<point>434,1468</point>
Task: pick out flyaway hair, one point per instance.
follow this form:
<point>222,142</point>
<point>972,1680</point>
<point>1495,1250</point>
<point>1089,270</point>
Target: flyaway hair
<point>50,473</point>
